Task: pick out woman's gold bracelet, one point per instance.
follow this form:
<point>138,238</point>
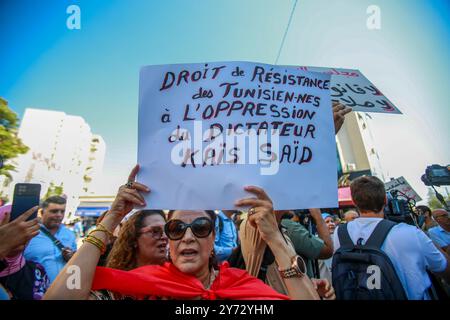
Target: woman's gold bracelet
<point>100,246</point>
<point>96,242</point>
<point>101,228</point>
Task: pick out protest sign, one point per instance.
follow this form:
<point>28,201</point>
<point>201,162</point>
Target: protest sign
<point>403,186</point>
<point>353,89</point>
<point>207,130</point>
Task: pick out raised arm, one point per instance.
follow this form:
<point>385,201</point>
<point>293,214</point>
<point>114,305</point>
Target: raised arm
<point>323,233</point>
<point>85,260</point>
<point>262,217</point>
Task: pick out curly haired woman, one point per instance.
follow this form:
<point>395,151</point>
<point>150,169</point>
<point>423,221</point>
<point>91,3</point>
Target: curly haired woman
<point>141,241</point>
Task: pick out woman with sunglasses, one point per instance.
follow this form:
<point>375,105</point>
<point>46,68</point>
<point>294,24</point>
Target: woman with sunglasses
<point>191,272</point>
<point>191,235</point>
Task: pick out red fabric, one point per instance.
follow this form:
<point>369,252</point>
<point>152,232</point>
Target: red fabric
<point>168,281</point>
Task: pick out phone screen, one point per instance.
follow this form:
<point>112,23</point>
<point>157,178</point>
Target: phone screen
<point>26,196</point>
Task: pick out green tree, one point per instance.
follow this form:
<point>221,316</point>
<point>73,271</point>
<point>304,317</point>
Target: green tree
<point>10,144</point>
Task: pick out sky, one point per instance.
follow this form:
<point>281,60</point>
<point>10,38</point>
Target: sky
<point>94,72</point>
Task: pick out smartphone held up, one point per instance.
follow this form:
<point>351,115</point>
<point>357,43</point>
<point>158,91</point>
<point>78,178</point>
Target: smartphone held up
<point>26,196</point>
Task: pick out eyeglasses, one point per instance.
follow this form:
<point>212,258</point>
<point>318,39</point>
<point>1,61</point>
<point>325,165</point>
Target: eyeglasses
<point>200,227</point>
<point>155,232</point>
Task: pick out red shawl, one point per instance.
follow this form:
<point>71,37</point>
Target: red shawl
<point>168,281</point>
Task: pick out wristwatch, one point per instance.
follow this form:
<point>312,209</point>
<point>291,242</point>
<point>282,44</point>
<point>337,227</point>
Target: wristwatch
<point>297,269</point>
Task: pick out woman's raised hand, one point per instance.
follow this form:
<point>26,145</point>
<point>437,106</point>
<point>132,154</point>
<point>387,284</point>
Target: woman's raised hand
<point>129,196</point>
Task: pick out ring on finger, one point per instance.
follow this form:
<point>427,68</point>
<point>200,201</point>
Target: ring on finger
<point>129,185</point>
<point>251,211</point>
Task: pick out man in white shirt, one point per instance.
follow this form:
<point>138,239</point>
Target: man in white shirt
<point>411,252</point>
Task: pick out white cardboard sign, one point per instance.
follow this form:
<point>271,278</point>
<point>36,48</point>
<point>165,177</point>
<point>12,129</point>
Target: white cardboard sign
<point>188,112</point>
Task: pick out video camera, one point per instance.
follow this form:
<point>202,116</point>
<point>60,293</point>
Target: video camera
<point>436,175</point>
<point>400,208</point>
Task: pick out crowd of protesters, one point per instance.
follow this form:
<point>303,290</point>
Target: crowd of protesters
<point>161,255</point>
<point>256,253</point>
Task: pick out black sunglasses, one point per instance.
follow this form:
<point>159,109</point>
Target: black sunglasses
<point>200,227</point>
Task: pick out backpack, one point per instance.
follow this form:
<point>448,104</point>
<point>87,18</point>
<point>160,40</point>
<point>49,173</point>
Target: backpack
<point>365,272</point>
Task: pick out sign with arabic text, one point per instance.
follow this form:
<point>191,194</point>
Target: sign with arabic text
<point>404,187</point>
<point>352,88</point>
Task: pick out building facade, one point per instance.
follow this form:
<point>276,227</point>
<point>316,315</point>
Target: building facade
<point>356,148</point>
<point>63,155</point>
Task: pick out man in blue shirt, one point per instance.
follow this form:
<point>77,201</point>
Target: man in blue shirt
<point>441,233</point>
<point>411,252</point>
<point>42,249</point>
<point>226,235</point>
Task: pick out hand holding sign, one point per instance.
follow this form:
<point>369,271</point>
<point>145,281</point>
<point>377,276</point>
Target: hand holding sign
<point>260,214</point>
<point>339,112</point>
<point>129,196</point>
<point>206,130</point>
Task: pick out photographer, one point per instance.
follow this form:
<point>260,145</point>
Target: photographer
<point>55,244</point>
<point>409,250</point>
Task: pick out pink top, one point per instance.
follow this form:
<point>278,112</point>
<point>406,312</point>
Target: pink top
<point>14,263</point>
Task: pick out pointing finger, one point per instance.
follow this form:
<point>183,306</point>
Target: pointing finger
<point>133,173</point>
